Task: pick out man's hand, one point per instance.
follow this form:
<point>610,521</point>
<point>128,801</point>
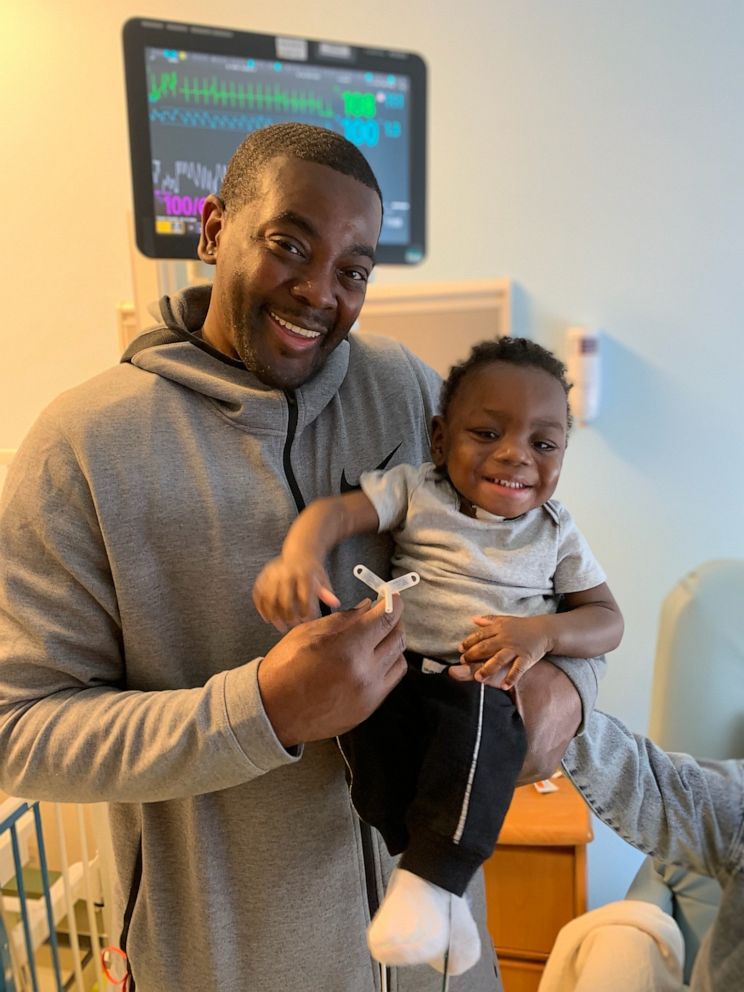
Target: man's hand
<point>287,590</point>
<point>550,708</point>
<point>513,643</point>
<point>326,676</point>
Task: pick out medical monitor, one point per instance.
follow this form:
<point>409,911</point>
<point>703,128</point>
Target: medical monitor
<point>194,92</point>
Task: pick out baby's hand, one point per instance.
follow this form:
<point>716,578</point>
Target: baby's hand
<point>287,593</point>
<point>516,643</point>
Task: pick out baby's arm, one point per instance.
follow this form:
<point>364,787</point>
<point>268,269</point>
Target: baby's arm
<point>591,625</point>
<point>288,588</point>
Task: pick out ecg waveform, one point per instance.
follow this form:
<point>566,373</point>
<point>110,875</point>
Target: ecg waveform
<point>359,132</point>
<point>206,178</point>
<point>214,92</point>
<point>182,117</point>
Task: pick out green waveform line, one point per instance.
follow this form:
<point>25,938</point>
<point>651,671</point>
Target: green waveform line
<point>203,92</point>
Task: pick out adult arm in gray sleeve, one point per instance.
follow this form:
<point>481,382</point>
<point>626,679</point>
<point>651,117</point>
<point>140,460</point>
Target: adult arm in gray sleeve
<point>553,698</point>
<point>585,674</point>
<point>677,809</point>
<point>68,729</point>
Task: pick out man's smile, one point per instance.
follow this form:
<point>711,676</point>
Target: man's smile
<point>295,330</point>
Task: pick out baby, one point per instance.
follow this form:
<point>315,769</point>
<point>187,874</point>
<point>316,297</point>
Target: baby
<point>434,768</point>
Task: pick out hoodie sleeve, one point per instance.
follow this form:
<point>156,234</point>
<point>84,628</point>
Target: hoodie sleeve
<point>69,731</point>
<point>679,810</point>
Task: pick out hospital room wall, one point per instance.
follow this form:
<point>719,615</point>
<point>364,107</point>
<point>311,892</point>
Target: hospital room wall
<point>593,152</point>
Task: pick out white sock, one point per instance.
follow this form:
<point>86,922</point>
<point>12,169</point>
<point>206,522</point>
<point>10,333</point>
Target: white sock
<point>464,944</point>
<point>413,922</point>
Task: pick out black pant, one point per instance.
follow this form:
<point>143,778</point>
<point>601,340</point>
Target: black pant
<point>434,769</point>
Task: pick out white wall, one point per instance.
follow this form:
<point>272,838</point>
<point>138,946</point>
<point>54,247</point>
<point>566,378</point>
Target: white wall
<point>590,149</point>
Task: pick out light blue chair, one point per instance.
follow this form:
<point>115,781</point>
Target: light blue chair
<point>697,706</point>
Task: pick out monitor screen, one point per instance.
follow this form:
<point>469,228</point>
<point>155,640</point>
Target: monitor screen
<point>194,92</point>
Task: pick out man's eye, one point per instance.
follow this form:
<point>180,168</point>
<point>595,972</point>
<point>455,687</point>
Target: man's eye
<point>288,246</point>
<point>356,275</point>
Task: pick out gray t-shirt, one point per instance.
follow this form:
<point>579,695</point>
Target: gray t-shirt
<point>473,566</point>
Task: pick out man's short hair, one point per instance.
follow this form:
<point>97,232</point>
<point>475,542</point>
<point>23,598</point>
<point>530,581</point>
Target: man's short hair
<point>303,141</point>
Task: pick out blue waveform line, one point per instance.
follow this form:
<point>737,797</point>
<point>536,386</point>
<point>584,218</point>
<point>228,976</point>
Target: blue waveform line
<point>184,117</point>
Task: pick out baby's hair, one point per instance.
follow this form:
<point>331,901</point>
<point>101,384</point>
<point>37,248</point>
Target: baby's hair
<point>513,351</point>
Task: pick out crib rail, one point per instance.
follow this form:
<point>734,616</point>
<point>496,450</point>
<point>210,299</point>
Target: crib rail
<point>40,907</point>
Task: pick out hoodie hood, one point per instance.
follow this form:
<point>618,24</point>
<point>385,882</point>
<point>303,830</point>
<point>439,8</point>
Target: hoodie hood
<point>175,350</point>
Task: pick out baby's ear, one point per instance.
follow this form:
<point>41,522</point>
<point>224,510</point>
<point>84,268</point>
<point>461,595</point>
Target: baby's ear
<point>438,440</point>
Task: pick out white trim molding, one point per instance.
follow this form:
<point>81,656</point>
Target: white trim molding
<point>439,322</point>
<point>466,295</point>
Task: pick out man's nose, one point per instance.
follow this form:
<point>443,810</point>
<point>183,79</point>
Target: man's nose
<point>315,288</point>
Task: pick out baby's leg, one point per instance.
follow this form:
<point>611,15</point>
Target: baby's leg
<point>464,945</point>
<point>419,922</point>
<point>476,748</point>
<point>412,924</point>
<point>466,781</point>
<point>383,755</point>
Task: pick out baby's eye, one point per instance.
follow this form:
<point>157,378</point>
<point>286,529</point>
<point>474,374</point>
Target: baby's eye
<point>484,435</point>
<point>545,445</point>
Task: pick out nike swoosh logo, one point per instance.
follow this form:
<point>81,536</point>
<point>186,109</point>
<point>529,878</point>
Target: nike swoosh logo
<point>347,487</point>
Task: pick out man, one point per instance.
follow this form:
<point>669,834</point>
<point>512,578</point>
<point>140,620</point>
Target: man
<point>133,667</point>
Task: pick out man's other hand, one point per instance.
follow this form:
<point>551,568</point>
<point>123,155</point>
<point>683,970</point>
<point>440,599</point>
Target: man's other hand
<point>550,707</point>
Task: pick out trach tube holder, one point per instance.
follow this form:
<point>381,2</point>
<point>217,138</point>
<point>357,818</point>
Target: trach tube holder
<point>386,590</point>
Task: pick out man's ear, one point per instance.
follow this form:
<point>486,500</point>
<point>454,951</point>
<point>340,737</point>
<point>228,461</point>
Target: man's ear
<point>213,219</point>
<point>438,438</point>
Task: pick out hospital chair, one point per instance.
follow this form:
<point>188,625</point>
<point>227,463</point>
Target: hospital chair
<point>697,706</point>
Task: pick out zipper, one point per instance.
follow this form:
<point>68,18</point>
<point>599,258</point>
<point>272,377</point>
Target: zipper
<point>287,456</point>
<point>373,895</point>
<point>368,854</point>
<point>126,922</point>
<point>287,464</point>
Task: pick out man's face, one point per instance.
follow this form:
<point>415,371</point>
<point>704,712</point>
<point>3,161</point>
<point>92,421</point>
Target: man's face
<point>504,438</point>
<point>292,269</point>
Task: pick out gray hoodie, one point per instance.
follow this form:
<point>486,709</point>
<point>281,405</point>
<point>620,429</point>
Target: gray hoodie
<point>133,523</point>
<point>683,812</point>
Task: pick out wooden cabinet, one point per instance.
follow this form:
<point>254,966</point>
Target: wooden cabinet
<point>536,879</point>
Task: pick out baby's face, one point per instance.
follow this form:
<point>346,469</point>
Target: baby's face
<point>504,438</point>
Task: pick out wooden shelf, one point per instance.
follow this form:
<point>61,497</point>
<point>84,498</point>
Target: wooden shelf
<point>536,879</point>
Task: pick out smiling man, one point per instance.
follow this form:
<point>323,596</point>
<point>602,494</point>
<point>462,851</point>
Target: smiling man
<point>134,668</point>
<point>294,262</point>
